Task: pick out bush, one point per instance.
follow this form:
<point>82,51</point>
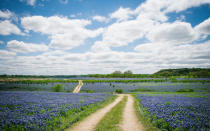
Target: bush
<point>185,90</point>
<point>119,91</point>
<point>89,91</point>
<point>58,88</point>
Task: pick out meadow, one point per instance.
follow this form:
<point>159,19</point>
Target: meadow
<point>22,110</point>
<point>167,104</point>
<point>176,111</point>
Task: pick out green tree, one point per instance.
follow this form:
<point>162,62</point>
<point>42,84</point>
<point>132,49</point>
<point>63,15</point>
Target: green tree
<point>128,72</point>
<point>117,72</point>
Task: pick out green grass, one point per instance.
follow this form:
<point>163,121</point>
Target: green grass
<point>148,126</point>
<point>186,94</point>
<point>112,118</point>
<point>74,117</point>
<point>141,90</point>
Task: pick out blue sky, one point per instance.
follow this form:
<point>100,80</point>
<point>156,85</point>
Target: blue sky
<point>61,37</point>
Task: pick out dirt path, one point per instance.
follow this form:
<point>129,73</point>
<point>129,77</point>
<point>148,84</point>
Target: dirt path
<point>78,87</point>
<point>130,121</point>
<point>91,121</point>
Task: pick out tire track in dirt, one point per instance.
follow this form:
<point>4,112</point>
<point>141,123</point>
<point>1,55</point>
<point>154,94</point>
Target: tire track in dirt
<point>130,121</point>
<point>89,123</point>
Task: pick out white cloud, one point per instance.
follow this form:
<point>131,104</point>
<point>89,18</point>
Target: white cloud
<point>204,27</point>
<point>177,32</point>
<point>29,2</point>
<point>4,54</point>
<point>100,18</point>
<point>70,40</point>
<point>1,42</point>
<point>7,28</point>
<point>121,14</point>
<point>170,44</point>
<point>181,18</point>
<point>63,1</point>
<point>6,14</point>
<point>64,33</point>
<point>21,47</point>
<point>182,5</point>
<point>157,9</point>
<point>100,47</point>
<point>122,33</point>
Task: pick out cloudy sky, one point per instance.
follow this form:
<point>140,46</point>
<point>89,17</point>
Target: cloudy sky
<point>61,37</point>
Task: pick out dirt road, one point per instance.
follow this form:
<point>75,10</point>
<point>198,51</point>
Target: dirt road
<point>89,123</point>
<point>130,121</point>
<point>78,87</point>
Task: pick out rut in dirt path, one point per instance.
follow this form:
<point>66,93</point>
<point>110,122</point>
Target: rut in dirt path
<point>89,123</point>
<point>78,87</point>
<point>130,121</point>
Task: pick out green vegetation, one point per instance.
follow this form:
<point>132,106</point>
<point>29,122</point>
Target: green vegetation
<point>58,88</point>
<point>185,90</point>
<point>72,118</point>
<point>112,118</point>
<point>182,72</point>
<point>125,81</point>
<point>120,91</point>
<point>87,91</point>
<point>191,72</point>
<point>140,114</point>
<point>141,90</point>
<point>46,81</point>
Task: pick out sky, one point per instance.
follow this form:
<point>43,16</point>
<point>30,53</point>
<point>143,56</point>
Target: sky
<point>73,37</point>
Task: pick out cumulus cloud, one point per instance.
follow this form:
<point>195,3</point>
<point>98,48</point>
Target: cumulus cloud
<point>169,44</point>
<point>29,2</point>
<point>122,33</point>
<point>22,47</point>
<point>100,18</point>
<point>4,54</point>
<point>204,27</point>
<point>121,14</point>
<point>64,33</point>
<point>7,28</point>
<point>6,14</point>
<point>167,6</point>
<point>99,46</point>
<point>177,32</point>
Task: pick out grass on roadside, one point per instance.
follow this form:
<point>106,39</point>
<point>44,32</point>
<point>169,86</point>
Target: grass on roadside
<point>148,126</point>
<point>68,123</point>
<point>112,119</point>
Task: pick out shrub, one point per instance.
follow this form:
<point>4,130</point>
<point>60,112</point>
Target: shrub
<point>58,88</point>
<point>185,90</point>
<point>119,91</point>
<point>89,91</point>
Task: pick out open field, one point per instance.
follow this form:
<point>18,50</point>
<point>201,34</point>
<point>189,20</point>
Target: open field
<point>50,105</point>
<point>45,110</point>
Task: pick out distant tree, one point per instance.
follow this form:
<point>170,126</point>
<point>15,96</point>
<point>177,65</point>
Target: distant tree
<point>117,72</point>
<point>128,72</point>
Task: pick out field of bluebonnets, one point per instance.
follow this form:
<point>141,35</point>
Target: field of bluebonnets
<point>23,110</point>
<point>176,111</point>
<point>146,87</point>
<point>181,104</point>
